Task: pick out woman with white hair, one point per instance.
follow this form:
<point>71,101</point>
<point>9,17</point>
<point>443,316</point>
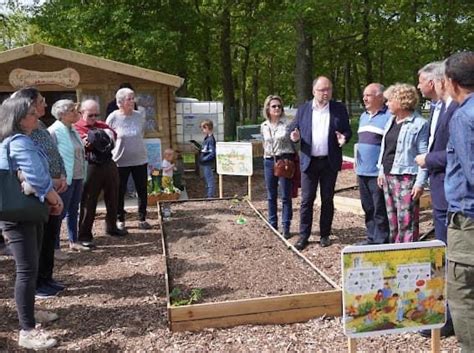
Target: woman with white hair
<point>71,150</point>
<point>130,153</point>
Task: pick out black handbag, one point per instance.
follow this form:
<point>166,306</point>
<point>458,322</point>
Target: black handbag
<point>15,206</point>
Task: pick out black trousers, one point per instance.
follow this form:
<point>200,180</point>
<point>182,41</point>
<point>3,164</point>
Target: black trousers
<point>139,176</point>
<point>99,177</point>
<point>319,173</point>
<point>24,239</point>
<point>46,257</point>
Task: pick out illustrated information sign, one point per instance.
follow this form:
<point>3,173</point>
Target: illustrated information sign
<point>234,158</point>
<point>153,150</point>
<point>394,288</point>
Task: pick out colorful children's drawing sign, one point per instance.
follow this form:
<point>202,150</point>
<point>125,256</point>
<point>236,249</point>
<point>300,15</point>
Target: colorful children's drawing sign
<point>234,158</point>
<point>394,288</point>
<point>153,150</point>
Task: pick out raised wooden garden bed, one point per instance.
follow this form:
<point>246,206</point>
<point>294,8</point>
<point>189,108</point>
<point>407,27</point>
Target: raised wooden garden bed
<point>154,198</point>
<point>349,201</point>
<point>243,271</point>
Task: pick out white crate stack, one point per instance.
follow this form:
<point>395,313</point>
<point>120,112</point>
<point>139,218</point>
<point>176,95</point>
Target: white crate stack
<point>189,116</point>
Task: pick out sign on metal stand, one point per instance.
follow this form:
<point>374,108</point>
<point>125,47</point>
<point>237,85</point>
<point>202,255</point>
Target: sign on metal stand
<point>394,288</point>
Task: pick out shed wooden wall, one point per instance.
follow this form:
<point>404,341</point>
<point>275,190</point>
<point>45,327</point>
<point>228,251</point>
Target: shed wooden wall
<point>94,81</point>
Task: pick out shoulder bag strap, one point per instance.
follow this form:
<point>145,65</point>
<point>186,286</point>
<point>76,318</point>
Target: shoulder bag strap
<point>10,163</point>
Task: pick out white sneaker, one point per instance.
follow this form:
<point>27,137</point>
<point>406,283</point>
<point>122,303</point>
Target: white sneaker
<point>78,247</point>
<point>59,255</point>
<point>121,225</point>
<point>35,339</point>
<point>43,316</point>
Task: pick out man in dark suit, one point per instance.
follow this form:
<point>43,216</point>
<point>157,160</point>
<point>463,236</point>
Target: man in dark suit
<point>435,160</point>
<point>323,128</point>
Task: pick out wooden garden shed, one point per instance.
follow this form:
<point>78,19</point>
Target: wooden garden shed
<point>61,73</point>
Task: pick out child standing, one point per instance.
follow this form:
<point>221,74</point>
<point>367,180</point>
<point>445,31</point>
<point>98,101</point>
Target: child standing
<point>207,156</point>
<point>168,168</point>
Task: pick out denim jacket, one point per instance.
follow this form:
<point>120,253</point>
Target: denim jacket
<point>459,182</point>
<point>32,161</point>
<point>208,150</point>
<point>412,141</point>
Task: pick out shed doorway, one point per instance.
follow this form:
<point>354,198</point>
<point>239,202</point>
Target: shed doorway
<point>51,97</point>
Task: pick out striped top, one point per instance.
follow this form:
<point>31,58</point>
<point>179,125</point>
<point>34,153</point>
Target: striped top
<point>371,130</point>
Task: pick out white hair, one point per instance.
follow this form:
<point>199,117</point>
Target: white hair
<point>61,107</point>
<point>121,94</point>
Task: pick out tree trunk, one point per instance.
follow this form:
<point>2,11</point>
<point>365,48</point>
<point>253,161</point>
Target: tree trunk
<point>347,86</point>
<point>227,82</point>
<point>254,98</point>
<point>243,88</point>
<point>382,65</point>
<point>369,76</point>
<point>304,63</point>
<point>235,79</point>
<point>357,83</point>
<point>206,61</point>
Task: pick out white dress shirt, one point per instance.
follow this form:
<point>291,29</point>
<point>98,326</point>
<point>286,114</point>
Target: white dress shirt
<point>434,122</point>
<point>320,130</point>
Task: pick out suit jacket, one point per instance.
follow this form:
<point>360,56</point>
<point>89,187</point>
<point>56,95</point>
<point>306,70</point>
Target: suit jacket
<point>436,157</point>
<point>338,121</point>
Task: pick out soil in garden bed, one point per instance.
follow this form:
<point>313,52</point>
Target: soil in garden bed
<point>209,251</point>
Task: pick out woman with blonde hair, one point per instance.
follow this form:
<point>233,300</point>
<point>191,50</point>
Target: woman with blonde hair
<point>405,137</point>
<point>277,145</point>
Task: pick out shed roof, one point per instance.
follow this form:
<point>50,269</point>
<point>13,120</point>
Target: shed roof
<point>89,60</point>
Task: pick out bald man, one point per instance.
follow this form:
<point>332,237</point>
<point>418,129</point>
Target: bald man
<point>322,127</point>
<point>102,173</point>
<point>371,128</point>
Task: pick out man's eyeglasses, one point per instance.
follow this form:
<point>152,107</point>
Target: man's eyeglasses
<point>276,106</point>
<point>93,115</point>
<point>324,90</point>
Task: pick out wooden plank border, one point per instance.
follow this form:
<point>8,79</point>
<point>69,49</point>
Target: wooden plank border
<point>275,310</point>
<point>282,309</point>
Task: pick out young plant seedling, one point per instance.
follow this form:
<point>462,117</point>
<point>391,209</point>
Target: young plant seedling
<point>178,299</point>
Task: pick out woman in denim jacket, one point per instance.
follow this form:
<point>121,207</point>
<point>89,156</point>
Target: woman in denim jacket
<point>277,145</point>
<point>18,119</point>
<point>406,136</point>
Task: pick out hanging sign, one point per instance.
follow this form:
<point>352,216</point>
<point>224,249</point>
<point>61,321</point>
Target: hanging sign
<point>20,78</point>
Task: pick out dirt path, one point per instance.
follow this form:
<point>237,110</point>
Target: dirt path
<point>116,298</point>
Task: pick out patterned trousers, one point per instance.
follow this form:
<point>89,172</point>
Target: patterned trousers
<point>402,211</point>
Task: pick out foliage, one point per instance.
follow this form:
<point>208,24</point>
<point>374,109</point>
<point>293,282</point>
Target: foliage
<point>365,308</point>
<point>179,298</point>
<point>250,46</point>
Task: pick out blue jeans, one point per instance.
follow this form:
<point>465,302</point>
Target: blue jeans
<point>71,199</point>
<point>209,180</point>
<point>271,183</point>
